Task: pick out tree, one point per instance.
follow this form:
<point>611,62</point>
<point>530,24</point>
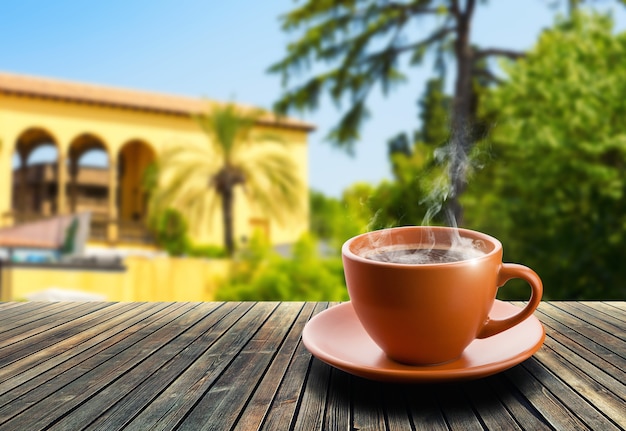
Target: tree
<point>194,177</point>
<point>261,274</point>
<point>335,220</point>
<point>364,42</point>
<point>555,192</point>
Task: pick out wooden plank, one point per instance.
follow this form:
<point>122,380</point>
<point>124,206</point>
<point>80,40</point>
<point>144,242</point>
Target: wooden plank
<point>576,404</point>
<point>21,325</point>
<point>617,304</point>
<point>552,409</point>
<point>490,409</point>
<point>603,311</point>
<point>607,323</point>
<point>165,366</point>
<point>7,305</point>
<point>118,337</point>
<point>338,410</point>
<point>604,359</point>
<point>596,368</point>
<point>57,331</point>
<point>222,343</point>
<point>602,338</point>
<point>606,308</point>
<point>36,379</point>
<point>45,319</point>
<point>42,360</point>
<point>523,411</point>
<point>21,309</point>
<point>456,408</point>
<point>119,403</point>
<point>313,400</point>
<point>183,394</point>
<point>256,410</point>
<point>220,406</point>
<point>607,397</point>
<point>67,391</point>
<point>286,402</point>
<point>425,411</point>
<point>367,406</point>
<point>396,407</point>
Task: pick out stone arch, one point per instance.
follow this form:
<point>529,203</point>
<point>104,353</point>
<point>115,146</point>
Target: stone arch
<point>34,185</point>
<point>134,158</point>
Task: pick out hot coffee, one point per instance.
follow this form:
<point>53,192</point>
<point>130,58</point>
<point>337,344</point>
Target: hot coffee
<point>422,256</point>
<point>429,314</point>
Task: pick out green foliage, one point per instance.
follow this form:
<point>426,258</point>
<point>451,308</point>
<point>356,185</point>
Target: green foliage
<point>334,220</point>
<point>555,192</point>
<point>434,114</point>
<point>170,230</point>
<point>261,274</point>
<point>206,251</point>
<point>70,237</point>
<point>150,178</point>
<point>356,200</point>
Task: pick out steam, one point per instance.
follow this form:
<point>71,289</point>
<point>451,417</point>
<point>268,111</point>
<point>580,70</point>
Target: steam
<point>455,164</point>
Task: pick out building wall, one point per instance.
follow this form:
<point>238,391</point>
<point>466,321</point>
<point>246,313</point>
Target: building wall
<point>145,279</point>
<point>115,127</point>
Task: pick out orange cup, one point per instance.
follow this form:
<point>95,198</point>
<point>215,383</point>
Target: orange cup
<point>428,313</point>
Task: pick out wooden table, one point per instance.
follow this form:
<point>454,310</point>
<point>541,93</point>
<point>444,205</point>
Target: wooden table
<point>192,366</point>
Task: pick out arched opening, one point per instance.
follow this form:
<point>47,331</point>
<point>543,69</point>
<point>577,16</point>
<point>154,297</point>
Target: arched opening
<point>35,175</point>
<point>135,160</point>
<point>88,185</point>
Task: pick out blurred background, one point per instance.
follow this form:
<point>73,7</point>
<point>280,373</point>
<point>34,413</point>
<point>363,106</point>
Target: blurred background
<point>497,116</point>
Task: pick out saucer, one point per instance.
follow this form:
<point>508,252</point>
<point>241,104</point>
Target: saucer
<point>336,337</point>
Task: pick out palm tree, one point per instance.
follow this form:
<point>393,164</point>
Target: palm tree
<point>194,178</point>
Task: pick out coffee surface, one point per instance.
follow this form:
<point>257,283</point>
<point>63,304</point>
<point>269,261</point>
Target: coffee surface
<point>423,255</point>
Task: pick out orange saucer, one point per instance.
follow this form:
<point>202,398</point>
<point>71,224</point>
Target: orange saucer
<point>336,337</point>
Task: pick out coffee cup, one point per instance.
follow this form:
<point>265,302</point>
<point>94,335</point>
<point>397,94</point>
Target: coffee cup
<point>423,294</point>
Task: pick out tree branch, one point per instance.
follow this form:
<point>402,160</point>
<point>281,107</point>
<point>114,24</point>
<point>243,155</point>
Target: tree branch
<point>487,74</point>
<point>454,9</point>
<point>469,9</point>
<point>489,52</point>
<point>412,8</point>
<point>433,37</point>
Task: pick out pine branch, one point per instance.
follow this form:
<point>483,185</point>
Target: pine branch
<point>415,9</point>
<point>497,52</point>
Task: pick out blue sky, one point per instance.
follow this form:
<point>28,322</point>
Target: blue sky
<point>221,50</point>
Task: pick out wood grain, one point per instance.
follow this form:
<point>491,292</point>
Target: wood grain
<point>242,366</point>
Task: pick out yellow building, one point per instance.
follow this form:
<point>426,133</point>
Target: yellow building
<point>131,128</point>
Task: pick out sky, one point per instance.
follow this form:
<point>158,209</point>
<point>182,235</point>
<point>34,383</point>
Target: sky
<point>222,50</point>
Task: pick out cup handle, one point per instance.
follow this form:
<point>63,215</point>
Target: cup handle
<point>507,272</point>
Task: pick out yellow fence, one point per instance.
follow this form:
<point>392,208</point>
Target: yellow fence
<point>145,279</point>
